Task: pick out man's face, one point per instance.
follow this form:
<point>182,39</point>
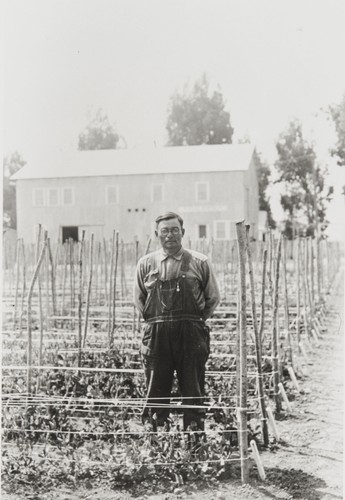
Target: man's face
<point>170,235</point>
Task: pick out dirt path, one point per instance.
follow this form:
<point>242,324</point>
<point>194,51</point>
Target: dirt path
<point>307,464</point>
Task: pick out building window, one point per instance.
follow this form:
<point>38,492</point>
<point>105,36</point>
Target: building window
<point>202,191</point>
<point>202,231</point>
<point>157,192</point>
<point>221,229</point>
<point>67,196</point>
<point>112,195</point>
<point>53,197</point>
<point>38,197</point>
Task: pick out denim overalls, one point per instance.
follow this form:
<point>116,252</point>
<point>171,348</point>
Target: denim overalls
<point>175,338</point>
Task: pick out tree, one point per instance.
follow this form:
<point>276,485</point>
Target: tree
<point>198,117</point>
<point>11,165</point>
<point>99,134</point>
<point>306,194</point>
<point>264,173</point>
<point>338,115</point>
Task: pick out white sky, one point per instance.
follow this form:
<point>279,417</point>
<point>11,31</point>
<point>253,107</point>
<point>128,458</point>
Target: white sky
<point>64,59</point>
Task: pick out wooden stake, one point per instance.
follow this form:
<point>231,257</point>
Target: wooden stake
<point>52,279</point>
<point>17,258</point>
<point>110,339</point>
<point>257,342</point>
<point>29,320</point>
<point>273,423</point>
<point>284,396</point>
<point>293,378</point>
<point>286,304</point>
<point>23,288</point>
<point>263,295</point>
<point>80,296</point>
<point>257,459</point>
<point>64,274</point>
<point>105,272</point>
<point>88,291</point>
<point>275,359</point>
<point>298,295</point>
<point>38,241</point>
<point>114,285</point>
<point>242,410</point>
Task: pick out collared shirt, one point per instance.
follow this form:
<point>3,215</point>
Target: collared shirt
<point>166,267</point>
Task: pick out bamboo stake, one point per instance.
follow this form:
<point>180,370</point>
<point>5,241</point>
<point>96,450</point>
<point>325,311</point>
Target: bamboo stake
<point>257,342</point>
<point>98,267</point>
<point>39,294</point>
<point>136,255</point>
<point>88,291</point>
<point>111,289</point>
<point>319,264</point>
<point>29,325</point>
<point>46,274</point>
<point>263,295</point>
<point>64,274</point>
<point>123,272</point>
<point>114,286</point>
<point>286,303</point>
<point>242,409</point>
<point>105,272</point>
<point>257,459</point>
<point>275,359</point>
<point>17,284</point>
<point>52,278</point>
<point>298,293</point>
<point>306,296</point>
<point>80,295</point>
<point>72,279</point>
<point>23,288</point>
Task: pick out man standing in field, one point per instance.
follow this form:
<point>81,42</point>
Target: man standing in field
<point>176,291</point>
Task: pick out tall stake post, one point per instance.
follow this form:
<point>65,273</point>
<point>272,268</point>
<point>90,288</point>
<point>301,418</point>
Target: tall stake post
<point>242,409</point>
<point>88,291</point>
<point>113,324</point>
<point>110,339</point>
<point>263,296</point>
<point>29,309</point>
<point>105,271</point>
<point>23,288</point>
<point>37,253</point>
<point>64,274</point>
<point>80,295</point>
<point>275,355</point>
<point>136,256</point>
<point>306,291</point>
<point>257,342</point>
<point>298,294</point>
<point>52,278</point>
<point>17,284</point>
<point>286,301</point>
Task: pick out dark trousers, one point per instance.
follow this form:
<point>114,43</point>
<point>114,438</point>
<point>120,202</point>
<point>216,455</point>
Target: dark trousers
<point>182,346</point>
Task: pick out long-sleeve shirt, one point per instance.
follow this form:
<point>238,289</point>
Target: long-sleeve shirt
<point>205,290</point>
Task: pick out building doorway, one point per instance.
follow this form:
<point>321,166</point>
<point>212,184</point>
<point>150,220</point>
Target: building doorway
<point>70,232</point>
<point>202,231</point>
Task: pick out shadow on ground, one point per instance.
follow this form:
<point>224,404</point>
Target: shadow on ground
<point>297,483</point>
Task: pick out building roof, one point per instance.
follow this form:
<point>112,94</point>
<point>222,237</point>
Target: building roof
<point>180,159</point>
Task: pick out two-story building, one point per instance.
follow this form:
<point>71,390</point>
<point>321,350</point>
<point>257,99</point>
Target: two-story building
<point>210,186</point>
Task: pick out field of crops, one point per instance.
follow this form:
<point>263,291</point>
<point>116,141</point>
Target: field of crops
<point>73,387</point>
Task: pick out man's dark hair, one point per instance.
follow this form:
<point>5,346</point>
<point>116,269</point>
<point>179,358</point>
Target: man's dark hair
<point>167,216</point>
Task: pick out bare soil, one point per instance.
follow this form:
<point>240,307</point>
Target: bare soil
<point>307,463</point>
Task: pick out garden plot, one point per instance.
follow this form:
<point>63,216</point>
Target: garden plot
<point>73,386</point>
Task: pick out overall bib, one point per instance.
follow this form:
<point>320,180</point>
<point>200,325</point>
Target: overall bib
<point>175,338</point>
